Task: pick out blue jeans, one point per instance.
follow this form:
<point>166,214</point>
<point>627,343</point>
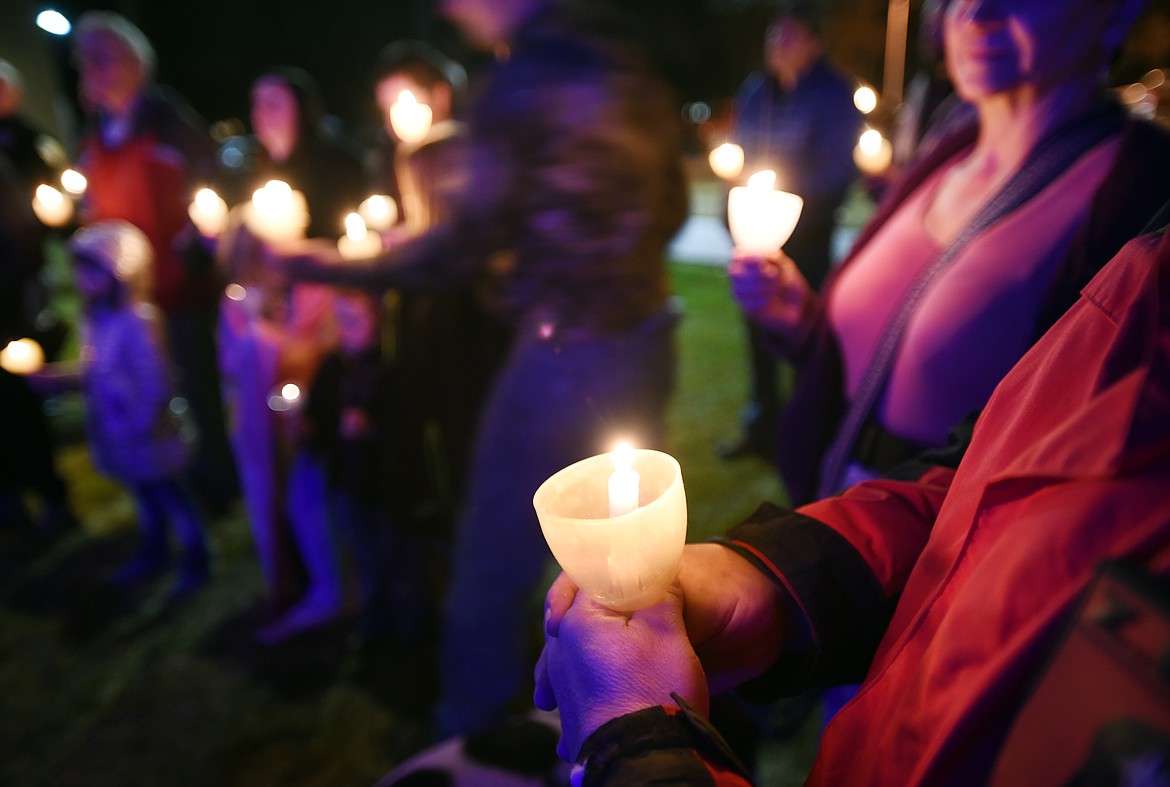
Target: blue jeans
<point>555,402</point>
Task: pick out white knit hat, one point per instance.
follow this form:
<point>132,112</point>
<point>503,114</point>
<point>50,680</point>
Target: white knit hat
<point>119,247</point>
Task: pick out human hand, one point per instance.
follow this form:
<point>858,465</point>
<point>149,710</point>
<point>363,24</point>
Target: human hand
<point>302,259</point>
<point>773,292</point>
<point>735,615</point>
<point>602,664</point>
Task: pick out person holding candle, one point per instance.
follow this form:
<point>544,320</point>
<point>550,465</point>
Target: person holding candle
<point>274,332</point>
<point>795,117</point>
<point>975,252</point>
<point>138,433</point>
<point>28,450</point>
<point>575,187</point>
<point>947,590</point>
<point>144,154</point>
<point>448,346</point>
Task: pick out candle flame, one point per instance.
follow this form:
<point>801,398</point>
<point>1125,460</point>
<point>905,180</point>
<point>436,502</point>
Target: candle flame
<point>355,227</point>
<point>49,196</point>
<point>73,181</point>
<point>870,142</point>
<point>726,160</point>
<point>235,292</point>
<point>406,98</point>
<point>764,180</point>
<point>206,199</point>
<point>865,99</point>
<point>623,456</point>
<point>291,392</point>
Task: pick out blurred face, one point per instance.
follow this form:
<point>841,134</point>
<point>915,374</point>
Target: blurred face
<point>275,117</point>
<point>111,76</point>
<point>789,48</point>
<point>94,283</point>
<point>357,321</point>
<point>484,23</point>
<point>997,46</point>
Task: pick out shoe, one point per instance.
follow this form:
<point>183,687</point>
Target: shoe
<point>309,613</point>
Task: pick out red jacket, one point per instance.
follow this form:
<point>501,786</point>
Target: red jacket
<point>951,590</point>
<point>149,180</point>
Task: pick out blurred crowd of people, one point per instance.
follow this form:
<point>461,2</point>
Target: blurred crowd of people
<point>499,308</point>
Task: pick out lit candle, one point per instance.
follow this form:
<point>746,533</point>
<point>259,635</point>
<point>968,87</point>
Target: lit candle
<point>22,356</point>
<point>277,213</point>
<point>379,212</point>
<point>726,160</point>
<point>358,243</point>
<point>620,540</point>
<point>410,119</point>
<point>51,206</point>
<point>208,212</point>
<point>874,153</point>
<point>623,482</point>
<point>865,98</point>
<point>74,182</point>
<point>761,218</point>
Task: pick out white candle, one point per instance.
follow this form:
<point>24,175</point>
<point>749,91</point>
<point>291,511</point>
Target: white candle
<point>277,213</point>
<point>874,153</point>
<point>726,160</point>
<point>358,242</point>
<point>761,218</point>
<point>208,212</point>
<point>51,206</point>
<point>410,119</point>
<point>74,182</point>
<point>379,212</point>
<point>22,356</point>
<point>623,482</point>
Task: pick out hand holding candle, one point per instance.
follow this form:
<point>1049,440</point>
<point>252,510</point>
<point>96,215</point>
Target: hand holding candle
<point>760,217</point>
<point>617,523</point>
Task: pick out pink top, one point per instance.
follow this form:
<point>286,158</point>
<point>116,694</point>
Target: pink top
<point>976,319</point>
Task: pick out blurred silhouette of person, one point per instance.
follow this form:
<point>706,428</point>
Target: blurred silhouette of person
<point>27,448</point>
<point>138,435</point>
<point>144,154</point>
<point>575,186</point>
<point>275,332</point>
<point>447,346</point>
<point>795,117</point>
<point>974,253</point>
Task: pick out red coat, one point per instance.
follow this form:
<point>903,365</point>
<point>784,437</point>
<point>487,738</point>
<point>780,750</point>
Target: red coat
<point>950,591</point>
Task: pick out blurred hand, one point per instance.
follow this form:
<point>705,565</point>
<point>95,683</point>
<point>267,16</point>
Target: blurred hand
<point>302,259</point>
<point>773,292</point>
<point>602,664</point>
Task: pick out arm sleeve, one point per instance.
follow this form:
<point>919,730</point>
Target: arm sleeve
<point>844,561</point>
<point>663,745</point>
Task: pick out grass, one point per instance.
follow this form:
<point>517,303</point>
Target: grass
<point>105,688</point>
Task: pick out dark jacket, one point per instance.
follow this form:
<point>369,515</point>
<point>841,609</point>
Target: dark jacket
<point>575,184</point>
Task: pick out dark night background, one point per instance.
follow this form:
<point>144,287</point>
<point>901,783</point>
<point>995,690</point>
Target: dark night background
<point>212,49</point>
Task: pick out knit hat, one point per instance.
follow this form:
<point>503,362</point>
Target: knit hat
<point>117,246</point>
